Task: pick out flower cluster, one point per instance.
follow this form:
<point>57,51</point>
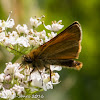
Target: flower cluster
<point>24,36</point>
<point>17,81</point>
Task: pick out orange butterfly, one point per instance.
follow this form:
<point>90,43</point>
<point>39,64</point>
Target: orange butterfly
<point>61,50</point>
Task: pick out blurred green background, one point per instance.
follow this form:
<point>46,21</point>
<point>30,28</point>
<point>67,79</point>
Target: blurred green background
<point>75,85</point>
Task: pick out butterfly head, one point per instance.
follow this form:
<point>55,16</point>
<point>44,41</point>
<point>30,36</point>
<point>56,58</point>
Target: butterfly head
<point>27,59</point>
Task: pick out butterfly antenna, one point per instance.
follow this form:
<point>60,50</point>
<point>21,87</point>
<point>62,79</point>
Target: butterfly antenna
<point>15,50</point>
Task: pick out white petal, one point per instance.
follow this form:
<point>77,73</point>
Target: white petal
<point>2,77</point>
<point>55,67</point>
<point>35,22</point>
<point>22,41</point>
<point>48,27</point>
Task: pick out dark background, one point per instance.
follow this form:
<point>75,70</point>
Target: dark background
<point>75,85</point>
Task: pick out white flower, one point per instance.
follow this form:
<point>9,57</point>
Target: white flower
<point>19,89</point>
<point>41,34</point>
<point>39,42</point>
<point>19,76</point>
<point>35,41</point>
<point>55,67</point>
<point>10,23</point>
<point>7,24</point>
<point>43,80</point>
<point>35,22</point>
<point>55,78</point>
<point>16,79</point>
<point>9,40</point>
<point>46,39</point>
<point>13,34</point>
<point>22,41</point>
<point>36,79</point>
<point>10,68</point>
<point>2,28</point>
<point>22,29</point>
<point>2,77</point>
<point>21,80</point>
<point>8,94</point>
<point>14,39</point>
<point>2,36</point>
<point>27,71</point>
<point>55,26</point>
<point>8,78</point>
<point>31,40</point>
<point>52,35</point>
<point>47,86</point>
<point>46,78</point>
<point>31,32</point>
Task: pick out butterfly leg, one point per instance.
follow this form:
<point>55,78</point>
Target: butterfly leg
<point>50,75</point>
<point>46,68</point>
<point>32,70</point>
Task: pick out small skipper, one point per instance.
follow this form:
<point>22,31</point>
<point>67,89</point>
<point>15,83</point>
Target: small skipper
<point>61,50</point>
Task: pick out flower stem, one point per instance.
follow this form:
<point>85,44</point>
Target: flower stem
<point>15,58</point>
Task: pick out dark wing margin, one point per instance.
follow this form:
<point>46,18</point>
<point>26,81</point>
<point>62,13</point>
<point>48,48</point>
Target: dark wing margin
<point>66,45</point>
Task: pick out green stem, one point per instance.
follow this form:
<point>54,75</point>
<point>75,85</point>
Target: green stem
<point>15,58</point>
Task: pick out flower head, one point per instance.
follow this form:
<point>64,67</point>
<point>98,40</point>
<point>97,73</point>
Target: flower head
<point>16,80</point>
<point>56,26</point>
<point>8,94</point>
<point>6,24</point>
<point>22,29</point>
<point>19,90</point>
<point>10,68</point>
<point>35,22</point>
<point>22,41</point>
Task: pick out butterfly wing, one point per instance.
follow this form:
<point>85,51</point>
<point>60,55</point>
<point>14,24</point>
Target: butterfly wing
<point>62,49</point>
<point>66,45</point>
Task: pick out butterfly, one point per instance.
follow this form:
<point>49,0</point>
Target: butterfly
<point>61,50</point>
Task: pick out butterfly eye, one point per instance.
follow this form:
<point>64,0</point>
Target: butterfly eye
<point>27,59</point>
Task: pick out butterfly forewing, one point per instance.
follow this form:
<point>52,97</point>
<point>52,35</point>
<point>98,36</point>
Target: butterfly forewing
<point>65,45</point>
